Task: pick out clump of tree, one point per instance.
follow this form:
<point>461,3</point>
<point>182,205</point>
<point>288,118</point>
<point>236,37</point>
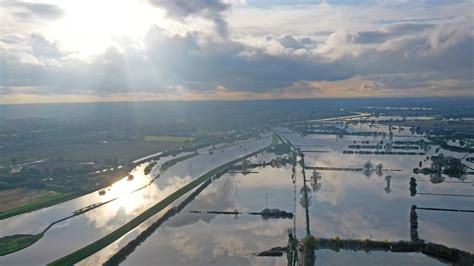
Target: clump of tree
<point>305,200</point>
<point>309,246</point>
<point>412,186</point>
<point>367,169</point>
<point>246,164</point>
<point>275,213</point>
<point>387,187</point>
<point>446,165</point>
<point>148,168</point>
<point>414,224</point>
<point>314,181</point>
<point>379,169</point>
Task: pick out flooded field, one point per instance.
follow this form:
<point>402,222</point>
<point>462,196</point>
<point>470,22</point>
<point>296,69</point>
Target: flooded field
<point>342,204</point>
<point>69,235</point>
<point>349,196</point>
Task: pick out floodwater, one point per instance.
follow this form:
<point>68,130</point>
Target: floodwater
<point>203,239</point>
<point>342,204</point>
<point>352,205</point>
<point>344,257</point>
<point>72,234</point>
<point>348,205</point>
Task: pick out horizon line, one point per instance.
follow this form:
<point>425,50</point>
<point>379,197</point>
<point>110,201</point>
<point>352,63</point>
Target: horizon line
<point>244,100</point>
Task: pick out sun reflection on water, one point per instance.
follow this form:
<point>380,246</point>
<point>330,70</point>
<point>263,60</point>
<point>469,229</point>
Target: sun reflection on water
<point>129,202</point>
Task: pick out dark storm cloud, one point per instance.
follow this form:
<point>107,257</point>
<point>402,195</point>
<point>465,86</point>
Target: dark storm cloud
<point>208,9</point>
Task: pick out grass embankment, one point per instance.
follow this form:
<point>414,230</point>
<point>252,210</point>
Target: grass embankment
<point>166,165</point>
<point>40,204</point>
<point>10,244</point>
<point>128,249</point>
<point>168,138</point>
<point>118,233</point>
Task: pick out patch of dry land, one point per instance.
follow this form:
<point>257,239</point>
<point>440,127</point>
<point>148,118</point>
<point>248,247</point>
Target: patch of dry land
<point>14,198</point>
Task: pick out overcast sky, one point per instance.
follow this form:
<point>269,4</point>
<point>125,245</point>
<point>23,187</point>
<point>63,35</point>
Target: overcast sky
<point>106,50</point>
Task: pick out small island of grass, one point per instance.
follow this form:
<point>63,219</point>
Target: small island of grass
<point>10,244</point>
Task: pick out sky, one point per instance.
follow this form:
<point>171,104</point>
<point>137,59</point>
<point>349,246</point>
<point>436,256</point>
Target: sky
<point>105,50</point>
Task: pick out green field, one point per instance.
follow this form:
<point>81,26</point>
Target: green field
<point>10,244</point>
<point>112,237</point>
<point>168,138</point>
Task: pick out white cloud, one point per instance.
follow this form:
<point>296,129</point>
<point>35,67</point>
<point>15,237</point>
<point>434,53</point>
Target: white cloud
<point>277,51</point>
